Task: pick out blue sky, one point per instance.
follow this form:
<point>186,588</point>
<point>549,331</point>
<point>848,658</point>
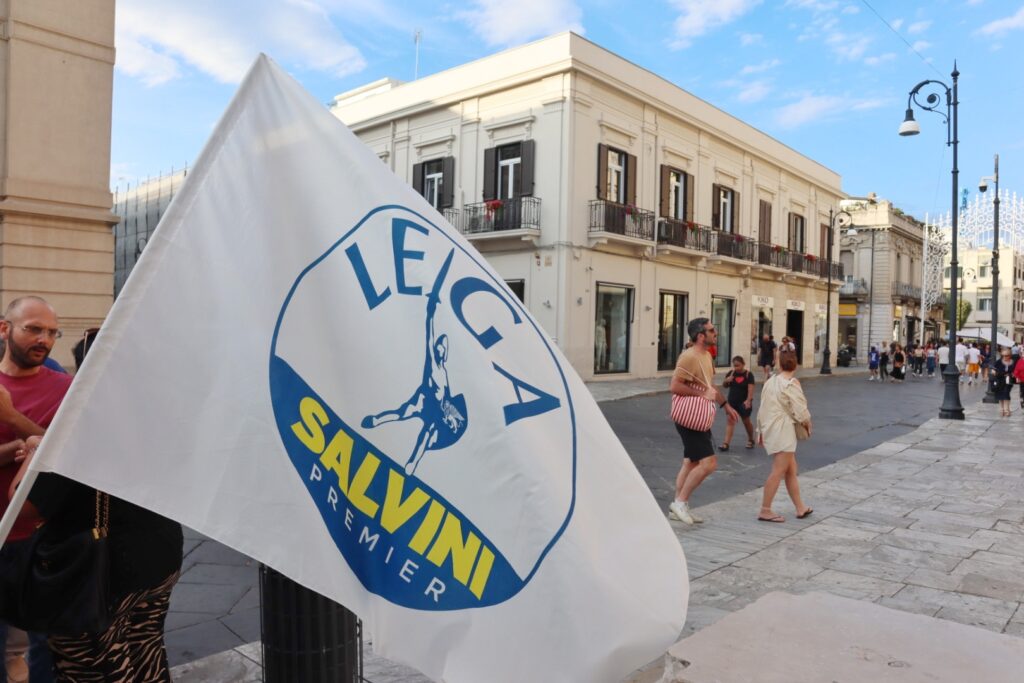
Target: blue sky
<point>826,77</point>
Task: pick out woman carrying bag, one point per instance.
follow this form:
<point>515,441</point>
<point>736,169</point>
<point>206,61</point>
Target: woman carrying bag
<point>1001,380</point>
<point>782,419</point>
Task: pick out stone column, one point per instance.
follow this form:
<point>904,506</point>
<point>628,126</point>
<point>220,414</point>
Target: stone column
<point>56,83</point>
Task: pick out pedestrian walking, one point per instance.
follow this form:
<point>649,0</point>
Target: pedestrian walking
<point>973,363</point>
<point>942,356</point>
<point>919,360</point>
<point>1002,379</point>
<point>930,355</point>
<point>766,355</point>
<point>898,362</point>
<point>782,419</point>
<point>883,364</point>
<point>873,357</point>
<point>694,379</point>
<point>1018,374</point>
<point>740,383</point>
<point>960,358</point>
<point>987,359</point>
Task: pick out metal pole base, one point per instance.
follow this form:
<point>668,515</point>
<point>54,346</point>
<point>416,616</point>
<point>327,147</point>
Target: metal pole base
<point>306,637</point>
<point>951,407</point>
<point>826,368</point>
<point>989,397</point>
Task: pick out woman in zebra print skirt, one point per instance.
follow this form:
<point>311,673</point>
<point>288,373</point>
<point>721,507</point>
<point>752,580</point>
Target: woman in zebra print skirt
<point>145,561</point>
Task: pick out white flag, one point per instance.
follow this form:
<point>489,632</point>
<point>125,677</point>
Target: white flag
<point>309,365</point>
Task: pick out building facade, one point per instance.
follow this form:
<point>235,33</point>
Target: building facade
<point>883,263</point>
<point>55,218</point>
<point>975,287</point>
<point>614,204</point>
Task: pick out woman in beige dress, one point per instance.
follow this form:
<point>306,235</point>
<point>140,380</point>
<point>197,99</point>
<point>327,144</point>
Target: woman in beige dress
<point>783,407</point>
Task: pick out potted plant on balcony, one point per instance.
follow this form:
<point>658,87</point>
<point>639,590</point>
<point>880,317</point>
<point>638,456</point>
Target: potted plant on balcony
<point>811,257</point>
<point>492,207</point>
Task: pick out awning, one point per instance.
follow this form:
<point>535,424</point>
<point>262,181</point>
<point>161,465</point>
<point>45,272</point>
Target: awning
<point>986,334</point>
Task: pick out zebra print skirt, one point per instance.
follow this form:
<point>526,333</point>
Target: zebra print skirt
<point>130,651</point>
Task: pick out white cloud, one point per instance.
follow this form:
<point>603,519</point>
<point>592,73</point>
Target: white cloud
<point>921,45</point>
<point>221,39</point>
<point>498,24</point>
<point>812,108</point>
<point>896,24</point>
<point>697,17</point>
<point>1001,26</point>
<point>851,9</point>
<point>754,92</point>
<point>760,68</point>
<point>750,38</point>
<point>918,27</point>
<point>878,60</point>
<point>848,47</point>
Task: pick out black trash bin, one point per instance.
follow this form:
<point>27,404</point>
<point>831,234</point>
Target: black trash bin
<point>843,358</point>
<point>306,637</point>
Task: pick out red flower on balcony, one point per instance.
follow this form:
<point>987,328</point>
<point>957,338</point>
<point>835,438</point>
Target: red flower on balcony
<point>492,206</point>
<point>811,257</point>
<point>777,249</point>
<point>630,209</point>
<point>691,225</point>
<point>738,238</point>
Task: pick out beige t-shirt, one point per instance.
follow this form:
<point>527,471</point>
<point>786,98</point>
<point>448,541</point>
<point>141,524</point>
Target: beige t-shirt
<point>695,366</point>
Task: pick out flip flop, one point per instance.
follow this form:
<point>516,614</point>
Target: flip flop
<point>806,513</point>
<point>723,447</point>
<point>778,519</point>
<point>750,444</point>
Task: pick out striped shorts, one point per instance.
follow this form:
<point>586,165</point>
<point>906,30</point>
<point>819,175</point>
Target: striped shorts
<point>130,651</point>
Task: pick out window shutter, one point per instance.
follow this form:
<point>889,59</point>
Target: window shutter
<point>417,177</point>
<point>792,232</point>
<point>602,171</point>
<point>716,206</point>
<point>526,166</point>
<point>736,213</point>
<point>664,208</point>
<point>764,222</point>
<point>630,179</point>
<point>490,173</point>
<point>824,241</point>
<point>689,196</point>
<point>447,182</point>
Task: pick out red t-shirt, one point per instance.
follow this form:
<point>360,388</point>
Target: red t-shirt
<point>37,397</point>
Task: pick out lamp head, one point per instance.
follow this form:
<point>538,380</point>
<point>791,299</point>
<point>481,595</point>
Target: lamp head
<point>909,125</point>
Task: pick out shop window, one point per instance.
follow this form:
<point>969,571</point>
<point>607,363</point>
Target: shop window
<point>612,328</point>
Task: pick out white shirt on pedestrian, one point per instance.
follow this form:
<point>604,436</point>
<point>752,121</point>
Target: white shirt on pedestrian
<point>973,355</point>
<point>961,353</point>
<point>944,355</point>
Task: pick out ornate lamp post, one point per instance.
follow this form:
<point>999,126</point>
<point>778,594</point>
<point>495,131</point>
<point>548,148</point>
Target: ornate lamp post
<point>845,219</point>
<point>982,186</point>
<point>951,408</point>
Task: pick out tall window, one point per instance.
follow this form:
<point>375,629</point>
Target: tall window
<point>898,273</point>
<point>725,202</point>
<point>796,233</point>
<point>510,159</point>
<point>985,303</point>
<point>433,179</point>
<point>677,194</point>
<point>615,183</point>
<point>611,328</point>
<point>671,329</point>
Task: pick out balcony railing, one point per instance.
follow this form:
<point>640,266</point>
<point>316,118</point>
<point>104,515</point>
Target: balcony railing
<point>621,219</point>
<point>686,234</point>
<point>454,217</point>
<point>773,255</point>
<point>853,287</point>
<point>519,213</point>
<point>905,290</point>
<point>735,246</point>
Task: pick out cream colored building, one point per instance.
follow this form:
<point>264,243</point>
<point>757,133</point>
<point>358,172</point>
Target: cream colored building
<point>56,79</point>
<point>615,204</point>
<point>880,300</point>
<point>975,266</point>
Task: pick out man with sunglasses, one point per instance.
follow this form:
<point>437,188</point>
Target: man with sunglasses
<point>694,376</point>
<point>29,331</point>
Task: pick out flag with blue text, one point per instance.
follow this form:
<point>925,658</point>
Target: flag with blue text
<point>310,365</point>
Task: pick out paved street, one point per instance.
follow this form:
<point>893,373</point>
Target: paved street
<point>850,415</point>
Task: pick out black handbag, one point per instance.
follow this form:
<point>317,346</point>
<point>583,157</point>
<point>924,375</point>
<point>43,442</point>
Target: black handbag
<point>60,583</point>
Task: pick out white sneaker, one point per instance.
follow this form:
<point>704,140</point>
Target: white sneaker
<point>698,520</point>
<point>681,511</point>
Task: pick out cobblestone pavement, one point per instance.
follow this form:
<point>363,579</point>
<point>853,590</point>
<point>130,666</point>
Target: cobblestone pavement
<point>931,522</point>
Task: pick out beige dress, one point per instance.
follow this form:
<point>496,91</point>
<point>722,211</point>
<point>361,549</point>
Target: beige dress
<point>782,405</point>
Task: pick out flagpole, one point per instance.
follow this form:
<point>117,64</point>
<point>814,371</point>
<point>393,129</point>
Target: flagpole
<point>17,502</point>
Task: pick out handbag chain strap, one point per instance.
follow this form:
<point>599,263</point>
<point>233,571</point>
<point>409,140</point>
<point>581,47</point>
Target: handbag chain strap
<point>102,515</point>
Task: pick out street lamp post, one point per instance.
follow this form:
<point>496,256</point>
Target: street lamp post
<point>833,215</point>
<point>951,408</point>
<point>990,397</point>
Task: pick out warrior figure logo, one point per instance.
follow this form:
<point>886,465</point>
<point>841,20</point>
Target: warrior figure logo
<point>443,415</point>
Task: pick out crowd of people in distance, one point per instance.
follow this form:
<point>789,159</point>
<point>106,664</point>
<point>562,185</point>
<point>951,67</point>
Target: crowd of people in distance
<point>783,417</point>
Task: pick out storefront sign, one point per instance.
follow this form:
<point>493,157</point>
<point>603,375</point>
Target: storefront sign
<point>821,308</point>
<point>762,301</point>
<point>848,310</point>
<point>794,305</point>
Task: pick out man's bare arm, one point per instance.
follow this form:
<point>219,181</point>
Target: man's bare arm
<point>21,425</point>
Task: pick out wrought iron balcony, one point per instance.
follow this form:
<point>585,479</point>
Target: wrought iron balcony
<point>621,219</point>
<point>454,217</point>
<point>854,287</point>
<point>518,213</point>
<point>773,255</point>
<point>735,246</point>
<point>905,290</point>
<point>685,234</point>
